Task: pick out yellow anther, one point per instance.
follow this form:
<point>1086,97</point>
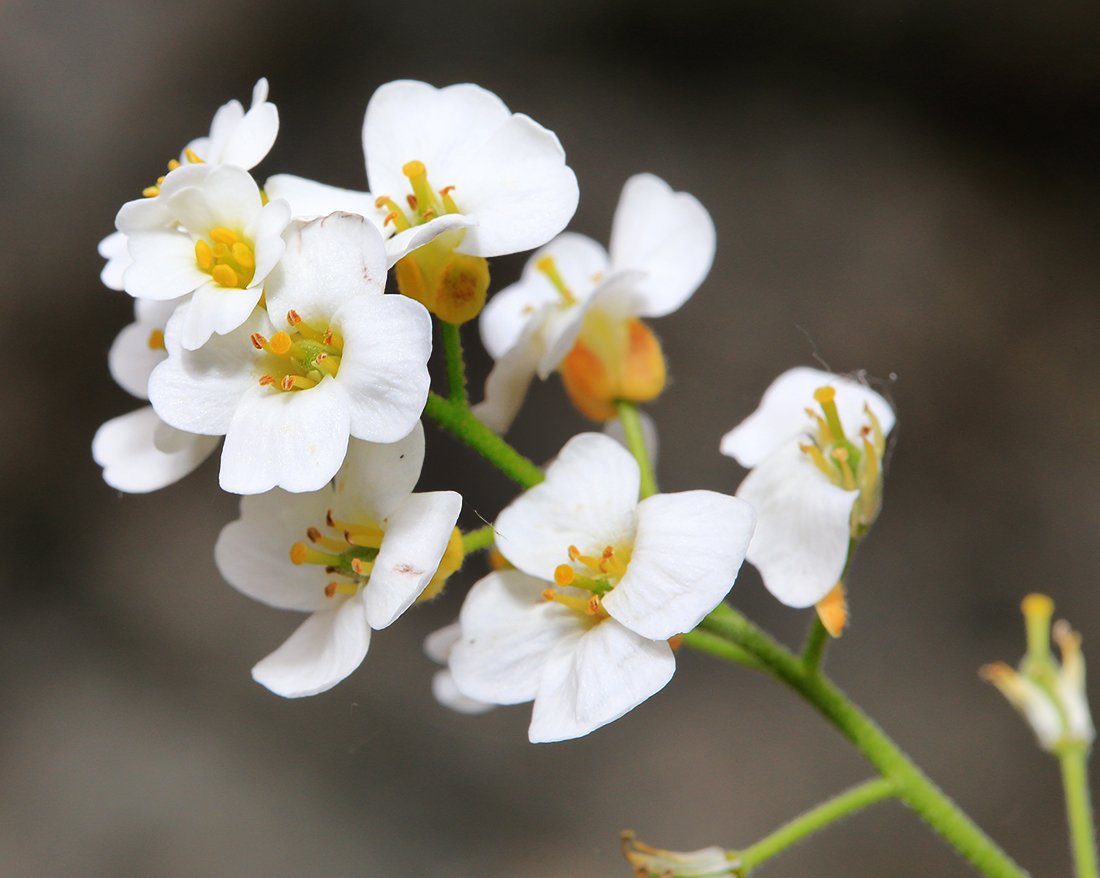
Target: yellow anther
<point>818,458</point>
<point>156,340</point>
<point>222,235</point>
<point>220,251</point>
<point>224,275</point>
<point>564,575</point>
<point>204,255</point>
<point>244,255</point>
<point>315,536</point>
<point>330,365</point>
<point>267,380</point>
<point>357,534</point>
<point>876,430</point>
<point>412,202</point>
<point>448,202</point>
<point>574,553</point>
<point>300,553</point>
<point>291,382</point>
<point>361,567</point>
<point>847,477</point>
<point>151,191</point>
<point>192,156</point>
<point>173,164</point>
<point>280,343</point>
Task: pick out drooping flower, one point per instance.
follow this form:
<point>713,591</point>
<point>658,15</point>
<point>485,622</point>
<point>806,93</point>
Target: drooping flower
<point>206,232</point>
<point>438,646</point>
<point>1051,697</point>
<point>627,576</point>
<point>456,177</point>
<point>650,862</point>
<point>355,555</point>
<point>577,307</point>
<point>332,357</point>
<point>236,138</point>
<point>815,448</point>
<point>138,451</point>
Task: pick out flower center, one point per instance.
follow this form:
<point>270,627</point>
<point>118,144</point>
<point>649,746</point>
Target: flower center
<point>349,554</point>
<point>424,202</point>
<point>588,573</point>
<point>851,466</point>
<point>154,190</point>
<point>230,260</point>
<point>305,355</point>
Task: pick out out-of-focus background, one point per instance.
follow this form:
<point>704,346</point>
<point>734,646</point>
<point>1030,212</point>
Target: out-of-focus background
<point>909,188</point>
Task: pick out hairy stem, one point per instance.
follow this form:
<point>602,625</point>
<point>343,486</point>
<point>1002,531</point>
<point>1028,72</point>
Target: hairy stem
<point>456,366</point>
<point>635,441</point>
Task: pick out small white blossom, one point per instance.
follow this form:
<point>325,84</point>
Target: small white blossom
<point>332,357</point>
<point>814,446</point>
<point>574,292</point>
<point>629,575</point>
<point>355,555</point>
<point>438,646</point>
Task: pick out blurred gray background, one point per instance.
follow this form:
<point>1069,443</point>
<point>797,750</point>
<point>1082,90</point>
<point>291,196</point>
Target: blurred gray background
<point>909,188</point>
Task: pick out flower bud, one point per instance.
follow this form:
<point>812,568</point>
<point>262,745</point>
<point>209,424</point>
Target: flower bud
<point>1050,696</point>
<point>449,284</point>
<point>651,862</point>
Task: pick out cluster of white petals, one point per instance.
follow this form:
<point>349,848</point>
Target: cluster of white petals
<point>662,247</point>
<point>804,524</point>
<point>596,646</point>
<point>386,542</point>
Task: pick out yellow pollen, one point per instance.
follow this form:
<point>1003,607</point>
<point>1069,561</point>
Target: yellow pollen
<point>564,574</point>
<point>204,255</point>
<point>173,164</point>
<point>548,267</point>
<point>290,382</point>
<point>412,201</point>
<point>266,380</point>
<point>192,157</point>
<point>413,169</point>
<point>224,275</point>
<point>156,340</point>
<point>244,255</point>
<point>362,568</point>
<point>258,341</point>
<point>222,235</point>
<point>151,191</point>
<point>280,343</point>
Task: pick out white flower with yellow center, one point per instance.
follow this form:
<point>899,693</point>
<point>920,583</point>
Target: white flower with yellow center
<point>815,446</point>
<point>577,306</point>
<point>207,232</point>
<point>602,582</point>
<point>138,451</point>
<point>335,358</point>
<point>236,138</point>
<point>355,555</point>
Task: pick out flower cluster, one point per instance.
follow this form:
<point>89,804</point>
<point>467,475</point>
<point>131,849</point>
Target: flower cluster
<point>261,316</point>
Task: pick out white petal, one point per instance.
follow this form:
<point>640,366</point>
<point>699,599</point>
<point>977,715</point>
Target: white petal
<point>597,678</point>
<point>387,342</point>
<point>588,500</point>
<point>781,414</point>
<point>295,440</point>
<point>131,461</point>
<point>508,630</point>
<point>228,197</point>
<point>113,248</point>
<point>324,650</point>
<point>668,235</point>
<point>377,477</point>
<point>164,266</point>
<point>417,534</point>
<point>131,361</point>
<point>309,199</point>
<point>687,552</point>
<point>447,694</point>
<point>438,644</point>
<point>266,231</point>
<point>210,148</point>
<point>403,243</point>
<point>253,552</point>
<point>215,309</point>
<point>518,187</point>
<point>507,383</point>
<point>327,262</point>
<point>255,134</point>
<point>512,311</point>
<point>197,391</point>
<point>802,528</point>
<point>408,120</point>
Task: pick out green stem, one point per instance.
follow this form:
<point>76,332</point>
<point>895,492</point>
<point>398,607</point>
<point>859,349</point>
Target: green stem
<point>1074,759</point>
<point>718,646</point>
<point>456,367</point>
<point>481,538</point>
<point>463,424</point>
<point>913,788</point>
<point>813,650</point>
<point>635,441</point>
<point>866,793</point>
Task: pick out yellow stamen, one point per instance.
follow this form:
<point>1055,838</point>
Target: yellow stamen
<point>204,255</point>
<point>192,157</point>
<point>267,380</point>
<point>564,575</point>
<point>332,545</point>
<point>548,267</point>
<point>300,553</point>
<point>292,381</point>
<point>244,255</point>
<point>156,340</point>
<point>173,164</point>
<point>818,458</point>
<point>222,235</point>
<point>361,567</point>
<point>840,455</point>
<point>330,365</point>
<point>833,610</point>
<point>396,214</point>
<point>224,275</point>
<point>357,534</point>
<point>448,202</point>
<point>151,191</point>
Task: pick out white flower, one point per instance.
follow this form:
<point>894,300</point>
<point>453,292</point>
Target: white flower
<point>576,308</point>
<point>138,451</point>
<point>236,138</point>
<point>209,233</point>
<point>499,175</point>
<point>815,446</point>
<point>356,555</point>
<point>648,861</point>
<point>332,358</point>
<point>629,576</point>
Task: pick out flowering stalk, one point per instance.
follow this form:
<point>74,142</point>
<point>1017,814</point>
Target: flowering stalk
<point>463,424</point>
<point>1074,758</point>
<point>456,367</point>
<point>913,788</point>
<point>481,538</point>
<point>858,797</point>
<point>635,441</point>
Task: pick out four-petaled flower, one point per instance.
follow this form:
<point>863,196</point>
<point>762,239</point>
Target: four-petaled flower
<point>815,446</point>
<point>627,576</point>
<point>355,555</point>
